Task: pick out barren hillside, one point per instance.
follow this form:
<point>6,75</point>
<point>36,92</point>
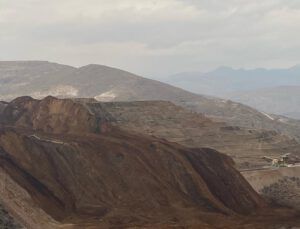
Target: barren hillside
<point>40,79</point>
<point>87,173</point>
<point>176,124</point>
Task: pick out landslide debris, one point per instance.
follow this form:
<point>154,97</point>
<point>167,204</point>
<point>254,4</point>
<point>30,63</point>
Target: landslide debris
<point>83,172</point>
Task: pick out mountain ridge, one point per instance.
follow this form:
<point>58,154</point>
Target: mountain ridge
<point>243,86</point>
<point>282,100</point>
<point>110,84</point>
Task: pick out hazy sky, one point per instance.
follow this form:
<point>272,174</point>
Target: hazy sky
<point>153,38</point>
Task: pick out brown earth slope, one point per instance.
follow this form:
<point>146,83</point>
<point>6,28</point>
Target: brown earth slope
<point>7,221</point>
<point>81,172</point>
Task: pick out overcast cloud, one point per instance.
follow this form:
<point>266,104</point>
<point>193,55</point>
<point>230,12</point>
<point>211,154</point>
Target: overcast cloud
<point>153,38</point>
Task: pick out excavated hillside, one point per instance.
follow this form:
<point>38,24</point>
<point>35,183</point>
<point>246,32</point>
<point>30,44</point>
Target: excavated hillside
<point>40,79</point>
<point>64,167</point>
<point>176,124</point>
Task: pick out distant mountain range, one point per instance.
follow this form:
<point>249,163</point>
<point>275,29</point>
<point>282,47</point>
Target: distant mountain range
<point>273,91</point>
<point>40,79</point>
<point>284,100</point>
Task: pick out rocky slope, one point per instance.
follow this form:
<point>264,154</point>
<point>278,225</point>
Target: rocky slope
<point>280,192</point>
<point>82,172</point>
<point>7,221</point>
<point>176,124</point>
<point>40,79</point>
<point>280,186</point>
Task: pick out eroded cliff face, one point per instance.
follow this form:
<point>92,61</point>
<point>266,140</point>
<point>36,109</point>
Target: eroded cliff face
<point>51,115</point>
<point>83,173</point>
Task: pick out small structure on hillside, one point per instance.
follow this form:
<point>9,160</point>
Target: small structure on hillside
<point>281,161</point>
